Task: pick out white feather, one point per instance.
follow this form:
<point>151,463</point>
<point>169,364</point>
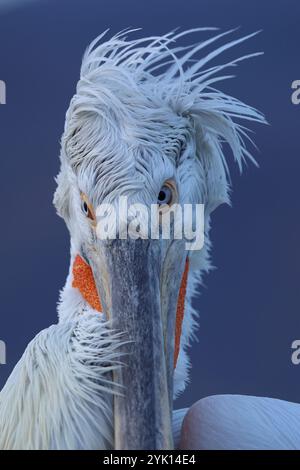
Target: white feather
<point>59,395</point>
<point>238,422</point>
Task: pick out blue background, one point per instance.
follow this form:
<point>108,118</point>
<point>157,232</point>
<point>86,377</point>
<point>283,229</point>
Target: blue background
<point>249,308</point>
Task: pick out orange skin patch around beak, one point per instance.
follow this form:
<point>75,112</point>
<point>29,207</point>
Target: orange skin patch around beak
<point>180,311</point>
<point>84,281</point>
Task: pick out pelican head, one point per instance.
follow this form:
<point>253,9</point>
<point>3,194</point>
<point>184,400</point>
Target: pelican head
<point>146,123</point>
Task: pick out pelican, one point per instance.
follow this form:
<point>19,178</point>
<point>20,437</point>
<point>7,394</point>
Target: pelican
<point>146,122</point>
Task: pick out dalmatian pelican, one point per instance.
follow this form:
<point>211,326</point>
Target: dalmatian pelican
<point>146,122</point>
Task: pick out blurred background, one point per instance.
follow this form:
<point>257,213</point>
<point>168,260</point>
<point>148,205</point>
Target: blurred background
<point>249,308</point>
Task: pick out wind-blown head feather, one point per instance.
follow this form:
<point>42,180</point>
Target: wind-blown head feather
<point>141,96</point>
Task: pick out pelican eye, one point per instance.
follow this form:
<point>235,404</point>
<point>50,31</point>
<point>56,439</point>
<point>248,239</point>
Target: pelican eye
<point>87,208</point>
<point>167,194</point>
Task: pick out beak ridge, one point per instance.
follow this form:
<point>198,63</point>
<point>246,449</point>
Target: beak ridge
<point>142,415</point>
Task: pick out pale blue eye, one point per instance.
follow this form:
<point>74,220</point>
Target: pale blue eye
<point>165,196</point>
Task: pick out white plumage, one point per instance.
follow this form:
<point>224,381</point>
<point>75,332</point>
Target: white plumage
<point>240,422</point>
<point>145,110</point>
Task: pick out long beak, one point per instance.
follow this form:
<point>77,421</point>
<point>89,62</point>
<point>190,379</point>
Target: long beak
<point>128,278</point>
